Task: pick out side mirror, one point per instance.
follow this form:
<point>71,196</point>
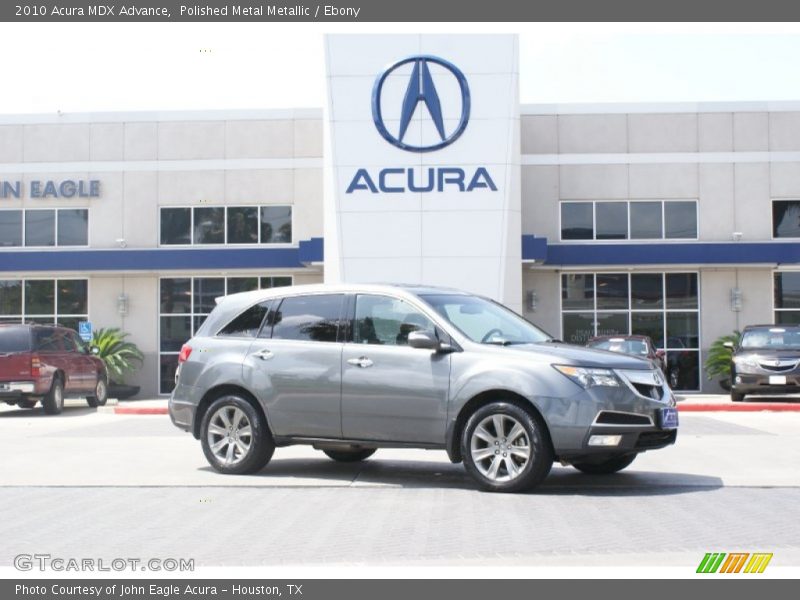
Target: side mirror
<point>423,339</point>
<point>728,345</point>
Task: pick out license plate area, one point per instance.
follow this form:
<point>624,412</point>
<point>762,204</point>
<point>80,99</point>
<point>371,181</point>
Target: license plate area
<point>4,387</point>
<point>668,418</point>
<point>777,379</point>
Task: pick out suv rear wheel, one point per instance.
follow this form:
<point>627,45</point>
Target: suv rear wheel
<point>505,448</point>
<point>612,465</point>
<point>100,395</point>
<point>235,437</point>
<point>53,401</point>
<point>352,455</point>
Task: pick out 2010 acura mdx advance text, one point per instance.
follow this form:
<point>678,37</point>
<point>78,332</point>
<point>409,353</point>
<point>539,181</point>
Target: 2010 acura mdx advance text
<point>350,369</point>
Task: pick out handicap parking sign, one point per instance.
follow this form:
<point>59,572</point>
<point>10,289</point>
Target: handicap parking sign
<point>85,330</point>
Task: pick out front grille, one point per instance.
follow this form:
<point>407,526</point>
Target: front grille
<point>656,439</point>
<point>608,417</point>
<point>781,368</point>
<point>649,391</point>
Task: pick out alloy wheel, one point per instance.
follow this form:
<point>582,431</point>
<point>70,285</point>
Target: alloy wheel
<point>500,448</point>
<point>230,435</point>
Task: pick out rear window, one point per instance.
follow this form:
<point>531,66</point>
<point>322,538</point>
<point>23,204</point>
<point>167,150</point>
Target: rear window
<point>15,339</point>
<point>248,323</point>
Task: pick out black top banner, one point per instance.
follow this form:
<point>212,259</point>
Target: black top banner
<point>439,11</point>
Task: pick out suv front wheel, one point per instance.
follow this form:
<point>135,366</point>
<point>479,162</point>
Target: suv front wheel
<point>235,437</point>
<point>100,395</point>
<point>505,448</point>
<point>53,401</point>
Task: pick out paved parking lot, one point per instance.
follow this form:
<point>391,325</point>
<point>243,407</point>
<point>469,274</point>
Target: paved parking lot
<point>96,484</point>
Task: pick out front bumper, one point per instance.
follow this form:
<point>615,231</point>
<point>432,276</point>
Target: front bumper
<point>764,383</point>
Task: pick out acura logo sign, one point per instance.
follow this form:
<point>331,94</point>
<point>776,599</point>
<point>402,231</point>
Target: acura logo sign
<point>422,98</point>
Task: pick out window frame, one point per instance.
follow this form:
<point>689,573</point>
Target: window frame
<point>225,243</point>
<point>24,317</point>
<point>772,220</point>
<point>57,210</point>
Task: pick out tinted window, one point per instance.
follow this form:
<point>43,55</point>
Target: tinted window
<point>786,218</point>
<point>612,220</point>
<point>577,291</point>
<point>576,221</point>
<point>40,228</point>
<point>310,318</point>
<point>276,224</point>
<point>209,225</point>
<point>206,291</point>
<point>248,323</point>
<point>647,291</point>
<point>40,297</point>
<point>176,295</point>
<point>680,219</point>
<point>787,290</point>
<point>243,225</point>
<point>681,290</point>
<point>73,227</point>
<point>388,321</point>
<point>72,296</point>
<point>47,340</point>
<point>242,284</point>
<point>10,227</point>
<point>176,226</point>
<point>10,297</point>
<point>15,339</point>
<point>273,282</point>
<point>645,220</point>
<point>612,291</point>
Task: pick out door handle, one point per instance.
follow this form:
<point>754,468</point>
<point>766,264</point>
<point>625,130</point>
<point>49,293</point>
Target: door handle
<point>264,354</point>
<point>361,361</point>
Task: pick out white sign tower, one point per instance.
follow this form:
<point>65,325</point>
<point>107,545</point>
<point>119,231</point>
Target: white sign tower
<point>422,173</point>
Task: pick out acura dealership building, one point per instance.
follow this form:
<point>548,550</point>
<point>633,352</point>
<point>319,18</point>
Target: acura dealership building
<point>678,221</point>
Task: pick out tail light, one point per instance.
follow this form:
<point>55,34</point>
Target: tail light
<point>186,351</point>
<point>36,365</point>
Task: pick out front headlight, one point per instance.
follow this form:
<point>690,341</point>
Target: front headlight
<point>746,365</point>
<point>587,377</point>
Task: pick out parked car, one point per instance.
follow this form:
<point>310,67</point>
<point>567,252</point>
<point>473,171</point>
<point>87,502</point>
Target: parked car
<point>350,369</point>
<point>634,345</point>
<point>766,361</point>
<point>48,363</point>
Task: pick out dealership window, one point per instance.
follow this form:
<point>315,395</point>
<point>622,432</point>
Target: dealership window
<point>634,220</point>
<point>44,227</point>
<point>787,297</point>
<point>226,225</point>
<point>786,218</point>
<point>46,301</point>
<point>184,304</point>
<point>663,306</point>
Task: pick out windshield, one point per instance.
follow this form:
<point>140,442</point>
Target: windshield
<point>635,347</point>
<point>14,339</point>
<point>772,337</point>
<point>484,321</point>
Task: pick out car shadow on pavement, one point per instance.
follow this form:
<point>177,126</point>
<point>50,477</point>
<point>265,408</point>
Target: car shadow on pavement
<point>376,473</point>
<point>69,411</point>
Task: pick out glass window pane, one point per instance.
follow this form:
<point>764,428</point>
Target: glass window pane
<point>10,297</point>
<point>40,227</point>
<point>197,322</point>
<point>209,225</point>
<point>612,323</point>
<point>576,221</point>
<point>649,324</point>
<point>206,290</point>
<point>386,321</point>
<point>248,323</point>
<point>612,220</point>
<point>243,225</point>
<point>311,318</point>
<point>681,290</point>
<point>578,328</point>
<point>682,330</point>
<point>176,295</point>
<point>10,228</point>
<point>175,332</point>
<point>273,282</point>
<point>786,218</point>
<point>71,322</point>
<point>242,284</point>
<point>276,224</point>
<point>72,297</point>
<point>683,370</point>
<point>612,290</point>
<point>73,227</point>
<point>646,220</point>
<point>680,220</point>
<point>787,317</point>
<point>577,291</point>
<point>40,297</point>
<point>176,226</point>
<point>647,291</point>
<point>168,366</point>
<point>787,290</point>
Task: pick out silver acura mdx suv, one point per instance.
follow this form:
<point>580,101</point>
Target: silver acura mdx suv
<point>352,368</point>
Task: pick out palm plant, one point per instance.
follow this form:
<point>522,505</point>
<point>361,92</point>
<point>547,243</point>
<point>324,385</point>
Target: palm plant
<point>718,360</point>
<point>121,357</point>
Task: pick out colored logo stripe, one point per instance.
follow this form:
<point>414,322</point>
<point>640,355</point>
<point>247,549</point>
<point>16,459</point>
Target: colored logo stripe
<point>758,563</point>
<point>714,562</point>
<point>711,562</point>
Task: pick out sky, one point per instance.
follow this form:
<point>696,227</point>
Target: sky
<point>49,67</point>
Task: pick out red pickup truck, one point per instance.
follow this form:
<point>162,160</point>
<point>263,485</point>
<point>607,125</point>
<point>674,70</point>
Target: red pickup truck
<point>48,363</point>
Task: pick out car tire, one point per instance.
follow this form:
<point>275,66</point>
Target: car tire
<point>737,396</point>
<point>53,401</point>
<point>235,436</point>
<point>499,462</point>
<point>612,465</point>
<point>27,404</point>
<point>350,456</point>
<point>100,396</point>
